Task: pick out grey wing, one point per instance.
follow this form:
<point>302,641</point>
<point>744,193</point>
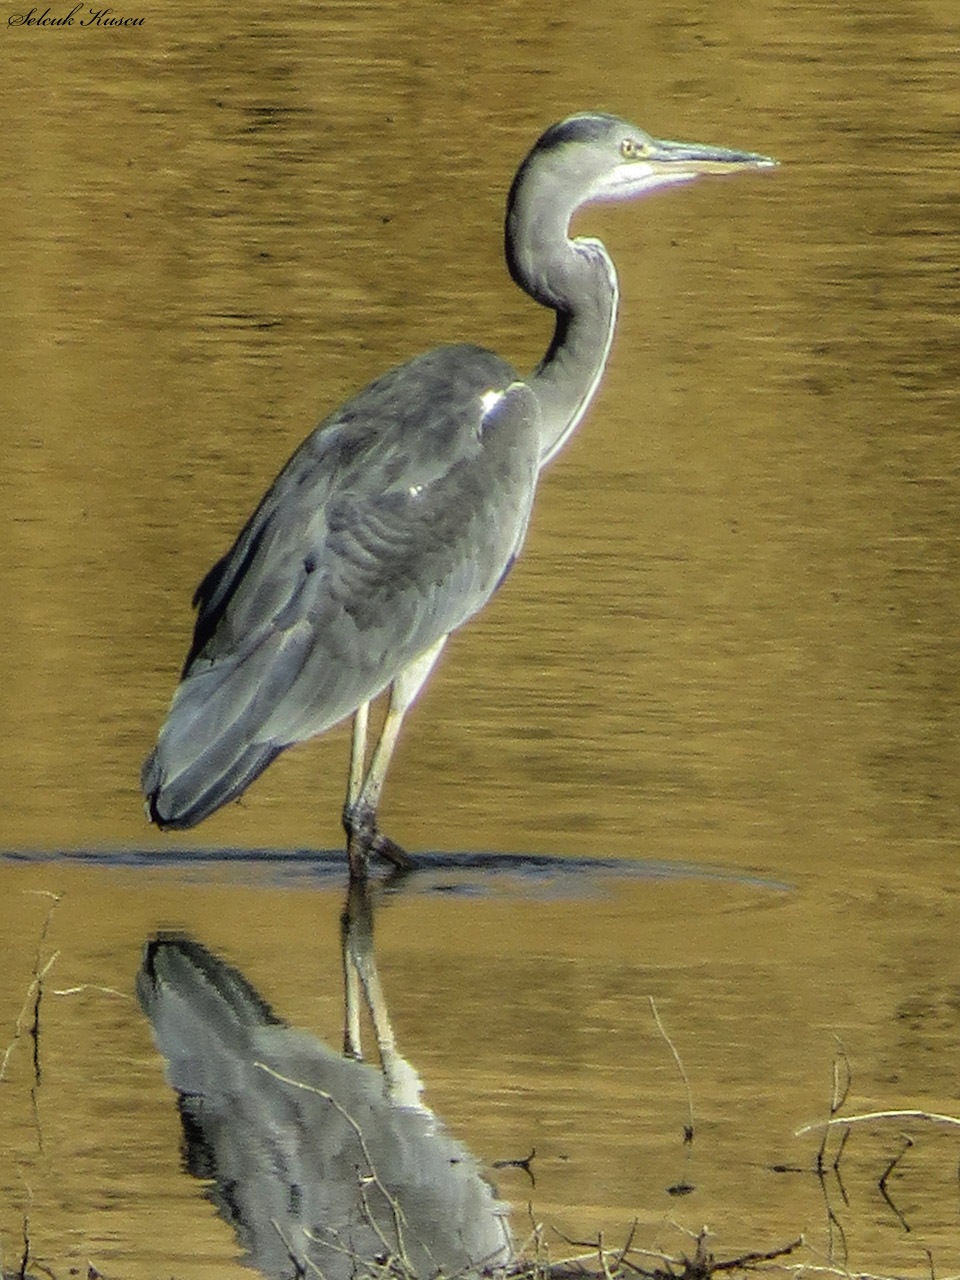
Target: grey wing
<point>389,528</point>
<point>281,1163</point>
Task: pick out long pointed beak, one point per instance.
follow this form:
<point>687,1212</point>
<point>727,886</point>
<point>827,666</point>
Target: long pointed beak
<point>692,158</point>
<point>660,164</point>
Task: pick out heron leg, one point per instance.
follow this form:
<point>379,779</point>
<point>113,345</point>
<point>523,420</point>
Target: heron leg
<point>358,754</point>
<point>360,813</point>
<point>351,974</point>
<point>402,694</point>
<point>355,837</point>
<point>360,973</point>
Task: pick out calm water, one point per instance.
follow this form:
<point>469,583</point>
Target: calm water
<point>729,649</point>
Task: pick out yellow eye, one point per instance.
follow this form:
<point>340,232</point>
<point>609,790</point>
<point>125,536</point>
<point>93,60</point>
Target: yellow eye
<point>631,149</point>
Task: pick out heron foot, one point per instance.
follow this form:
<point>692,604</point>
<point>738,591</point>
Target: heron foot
<point>365,838</point>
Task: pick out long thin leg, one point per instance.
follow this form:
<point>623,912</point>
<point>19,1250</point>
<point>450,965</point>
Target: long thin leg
<point>358,767</point>
<point>361,814</point>
<point>402,694</point>
<point>358,753</point>
<point>351,1019</point>
<point>351,974</point>
<point>360,972</point>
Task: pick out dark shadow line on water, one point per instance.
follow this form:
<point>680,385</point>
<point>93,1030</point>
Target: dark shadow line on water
<point>467,874</point>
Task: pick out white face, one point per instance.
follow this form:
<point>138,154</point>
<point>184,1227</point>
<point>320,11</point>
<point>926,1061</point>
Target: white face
<point>635,179</point>
<point>647,163</point>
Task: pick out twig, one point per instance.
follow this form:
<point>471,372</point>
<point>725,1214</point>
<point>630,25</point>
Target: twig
<point>31,1002</point>
<point>21,1272</point>
<point>840,1092</point>
<point>91,986</point>
<point>751,1259</point>
<point>25,1256</point>
<point>389,1251</point>
<point>867,1117</point>
<point>576,1244</point>
<point>398,1217</point>
<point>882,1183</point>
<point>689,1128</point>
<point>626,1248</point>
<point>357,1261</point>
<point>593,1245</point>
<point>802,1269</point>
<point>837,1099</point>
<point>300,1266</point>
<point>534,1239</point>
<point>523,1163</point>
<point>603,1262</point>
<point>843,1142</point>
<point>21,1017</point>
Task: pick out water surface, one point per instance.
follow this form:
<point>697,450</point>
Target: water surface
<point>730,644</point>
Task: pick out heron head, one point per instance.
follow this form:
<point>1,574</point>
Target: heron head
<point>582,160</point>
<point>597,157</point>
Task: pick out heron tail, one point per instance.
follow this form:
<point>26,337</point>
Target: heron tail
<point>182,971</point>
<point>205,1017</point>
<point>208,752</point>
<point>176,803</point>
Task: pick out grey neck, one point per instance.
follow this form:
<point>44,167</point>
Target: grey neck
<point>577,279</point>
<point>566,379</point>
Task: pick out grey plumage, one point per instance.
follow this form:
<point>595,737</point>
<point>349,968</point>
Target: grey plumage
<point>329,1168</point>
<point>359,557</point>
<point>396,519</point>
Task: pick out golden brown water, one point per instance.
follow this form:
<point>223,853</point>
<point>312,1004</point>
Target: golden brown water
<point>731,642</point>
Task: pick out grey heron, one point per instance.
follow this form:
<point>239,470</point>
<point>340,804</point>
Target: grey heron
<point>396,519</point>
<point>314,1158</point>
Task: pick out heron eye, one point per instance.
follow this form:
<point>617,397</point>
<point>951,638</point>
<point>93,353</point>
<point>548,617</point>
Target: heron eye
<point>631,149</point>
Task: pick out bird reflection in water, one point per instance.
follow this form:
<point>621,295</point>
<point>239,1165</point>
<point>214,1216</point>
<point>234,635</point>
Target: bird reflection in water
<point>319,1161</point>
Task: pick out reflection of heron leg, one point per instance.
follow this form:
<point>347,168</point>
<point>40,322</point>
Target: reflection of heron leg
<point>360,813</point>
<point>351,975</point>
<point>360,973</point>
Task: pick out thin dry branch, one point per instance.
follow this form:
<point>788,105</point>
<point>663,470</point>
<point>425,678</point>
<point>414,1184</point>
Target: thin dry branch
<point>34,996</point>
<point>91,986</point>
<point>399,1221</point>
<point>689,1129</point>
<point>610,1264</point>
<point>300,1265</point>
<point>535,1241</point>
<point>802,1269</point>
<point>748,1261</point>
<point>882,1183</point>
<point>868,1117</point>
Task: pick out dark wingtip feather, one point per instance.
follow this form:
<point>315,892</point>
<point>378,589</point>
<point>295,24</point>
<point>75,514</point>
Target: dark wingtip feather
<point>157,818</point>
<point>208,795</point>
<point>174,959</point>
<point>151,783</point>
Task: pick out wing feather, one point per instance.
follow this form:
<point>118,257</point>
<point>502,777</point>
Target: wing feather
<point>390,526</point>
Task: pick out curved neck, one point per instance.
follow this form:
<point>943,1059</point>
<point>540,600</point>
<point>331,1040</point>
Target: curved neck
<point>566,379</point>
<point>577,280</point>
